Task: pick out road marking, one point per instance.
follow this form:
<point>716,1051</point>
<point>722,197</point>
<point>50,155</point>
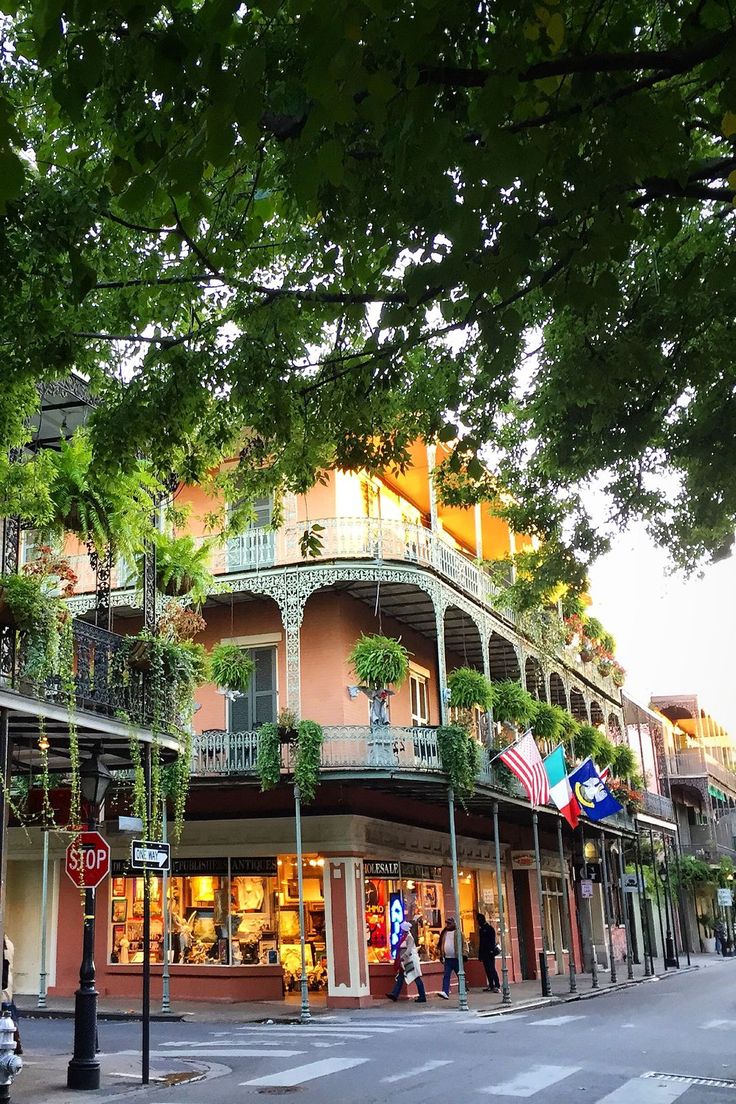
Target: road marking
<point>531,1081</point>
<point>641,1091</point>
<point>219,1052</point>
<point>555,1021</point>
<point>225,1041</point>
<point>309,1072</point>
<point>307,1029</point>
<point>419,1069</point>
<point>721,1025</point>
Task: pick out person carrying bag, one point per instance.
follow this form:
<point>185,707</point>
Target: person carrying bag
<point>408,966</point>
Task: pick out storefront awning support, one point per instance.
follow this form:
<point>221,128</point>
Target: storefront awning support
<point>505,991</point>
<point>566,909</point>
<point>304,1015</point>
<point>462,991</point>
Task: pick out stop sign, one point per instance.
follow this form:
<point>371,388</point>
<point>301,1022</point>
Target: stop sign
<point>88,860</point>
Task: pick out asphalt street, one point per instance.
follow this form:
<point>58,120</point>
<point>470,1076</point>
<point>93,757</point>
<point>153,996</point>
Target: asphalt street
<point>655,1043</point>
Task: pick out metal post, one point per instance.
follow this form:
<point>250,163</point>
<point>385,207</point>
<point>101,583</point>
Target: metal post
<point>43,975</point>
<point>568,918</point>
<point>462,992</point>
<point>305,1015</point>
<point>146,1001</point>
<point>607,909</point>
<point>680,899</point>
<point>670,911</point>
<point>646,929</point>
<point>656,892</point>
<point>546,990</point>
<point>505,992</point>
<point>165,972</point>
<point>83,1070</point>
<point>4,809</point>
<point>625,908</point>
<point>594,953</point>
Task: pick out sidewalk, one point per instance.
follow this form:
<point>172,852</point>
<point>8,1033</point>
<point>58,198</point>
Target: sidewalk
<point>43,1077</point>
<point>524,994</point>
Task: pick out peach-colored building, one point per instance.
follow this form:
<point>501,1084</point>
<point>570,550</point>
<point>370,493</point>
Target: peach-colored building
<point>376,839</point>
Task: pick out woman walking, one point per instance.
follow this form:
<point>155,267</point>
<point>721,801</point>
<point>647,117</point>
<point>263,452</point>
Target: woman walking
<point>408,966</point>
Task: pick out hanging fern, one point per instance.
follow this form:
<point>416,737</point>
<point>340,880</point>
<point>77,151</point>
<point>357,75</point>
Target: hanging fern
<point>547,722</point>
<point>512,704</point>
<point>461,759</point>
<point>623,761</point>
<point>268,763</point>
<point>570,729</point>
<point>604,752</point>
<point>379,661</point>
<point>308,758</point>
<point>586,741</point>
<point>470,688</point>
<point>231,667</point>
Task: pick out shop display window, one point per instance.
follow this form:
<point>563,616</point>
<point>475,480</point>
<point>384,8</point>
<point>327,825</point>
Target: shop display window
<point>220,912</point>
<point>314,921</point>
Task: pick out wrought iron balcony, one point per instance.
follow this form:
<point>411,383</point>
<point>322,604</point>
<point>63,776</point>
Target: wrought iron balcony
<point>699,763</point>
<point>657,805</point>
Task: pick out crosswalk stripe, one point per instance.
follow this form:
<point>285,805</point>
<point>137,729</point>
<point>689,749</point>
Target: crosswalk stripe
<point>226,1041</point>
<point>641,1091</point>
<point>308,1029</point>
<point>720,1024</point>
<point>419,1069</point>
<point>531,1081</point>
<point>555,1021</point>
<point>219,1052</point>
<point>299,1074</point>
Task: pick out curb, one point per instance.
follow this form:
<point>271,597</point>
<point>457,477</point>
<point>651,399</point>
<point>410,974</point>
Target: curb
<point>111,1017</point>
<point>571,998</point>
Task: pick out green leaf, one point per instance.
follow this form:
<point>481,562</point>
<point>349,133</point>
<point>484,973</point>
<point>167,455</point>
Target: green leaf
<point>12,176</point>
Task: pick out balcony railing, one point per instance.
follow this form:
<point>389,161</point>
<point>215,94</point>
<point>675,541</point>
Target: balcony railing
<point>657,805</point>
<point>698,763</point>
<point>395,750</point>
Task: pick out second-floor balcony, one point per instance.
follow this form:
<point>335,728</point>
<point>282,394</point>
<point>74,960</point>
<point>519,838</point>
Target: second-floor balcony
<point>360,752</point>
<point>699,763</point>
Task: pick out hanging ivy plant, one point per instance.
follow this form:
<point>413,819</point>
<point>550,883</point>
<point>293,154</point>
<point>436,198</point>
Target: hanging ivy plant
<point>547,722</point>
<point>512,704</point>
<point>379,661</point>
<point>268,763</point>
<point>307,759</point>
<point>231,667</point>
<point>470,688</point>
<point>461,759</point>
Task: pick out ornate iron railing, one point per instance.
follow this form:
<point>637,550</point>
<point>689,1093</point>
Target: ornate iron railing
<point>657,805</point>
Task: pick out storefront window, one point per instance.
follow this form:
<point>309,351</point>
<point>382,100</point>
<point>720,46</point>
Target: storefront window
<point>424,905</point>
<point>384,909</point>
<point>314,921</point>
<point>220,912</point>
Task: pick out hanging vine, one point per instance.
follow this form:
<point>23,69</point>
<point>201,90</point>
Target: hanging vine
<point>268,763</point>
<point>308,758</point>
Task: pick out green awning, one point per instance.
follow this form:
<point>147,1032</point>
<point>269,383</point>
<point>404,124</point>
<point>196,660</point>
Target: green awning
<point>715,792</point>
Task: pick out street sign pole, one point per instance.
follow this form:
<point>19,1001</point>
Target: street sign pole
<point>146,1008</point>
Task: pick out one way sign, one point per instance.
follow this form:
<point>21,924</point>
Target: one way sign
<point>150,856</point>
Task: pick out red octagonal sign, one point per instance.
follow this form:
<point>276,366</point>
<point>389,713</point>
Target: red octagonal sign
<point>88,860</point>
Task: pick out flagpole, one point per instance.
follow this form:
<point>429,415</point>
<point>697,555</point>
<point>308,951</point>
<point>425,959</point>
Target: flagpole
<point>507,748</point>
<point>594,955</point>
<point>505,991</point>
<point>566,899</point>
<point>546,991</point>
<point>607,908</point>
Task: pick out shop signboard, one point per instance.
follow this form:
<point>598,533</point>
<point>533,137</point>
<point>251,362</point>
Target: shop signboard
<point>381,869</point>
<point>586,888</point>
<point>632,884</point>
<point>255,867</point>
<point>420,872</point>
<point>725,897</point>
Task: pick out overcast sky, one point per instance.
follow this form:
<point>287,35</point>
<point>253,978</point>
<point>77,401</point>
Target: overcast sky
<point>673,635</point>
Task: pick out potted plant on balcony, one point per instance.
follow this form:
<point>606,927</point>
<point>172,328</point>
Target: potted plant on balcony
<point>618,674</point>
<point>379,662</point>
<point>623,761</point>
<point>512,704</point>
<point>307,755</point>
<point>287,725</point>
<point>548,722</point>
<point>182,567</point>
<point>469,690</point>
<point>231,668</point>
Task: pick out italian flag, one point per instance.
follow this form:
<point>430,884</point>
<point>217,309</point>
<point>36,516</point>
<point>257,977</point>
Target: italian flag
<point>559,787</point>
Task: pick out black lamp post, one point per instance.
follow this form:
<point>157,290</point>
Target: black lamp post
<point>83,1071</point>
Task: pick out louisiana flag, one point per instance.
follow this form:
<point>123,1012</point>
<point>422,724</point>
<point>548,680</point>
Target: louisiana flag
<point>595,800</point>
<point>560,790</point>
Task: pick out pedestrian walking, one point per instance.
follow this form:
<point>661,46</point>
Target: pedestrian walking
<point>408,966</point>
<point>487,952</point>
<point>720,935</point>
<point>448,954</point>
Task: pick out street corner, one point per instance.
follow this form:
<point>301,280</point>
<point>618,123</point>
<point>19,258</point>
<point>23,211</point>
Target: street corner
<point>44,1076</point>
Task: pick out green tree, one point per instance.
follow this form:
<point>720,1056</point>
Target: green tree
<point>305,232</point>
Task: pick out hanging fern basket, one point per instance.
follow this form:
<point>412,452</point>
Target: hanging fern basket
<point>178,587</point>
<point>140,656</point>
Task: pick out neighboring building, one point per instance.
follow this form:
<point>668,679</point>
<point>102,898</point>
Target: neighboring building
<point>376,838</point>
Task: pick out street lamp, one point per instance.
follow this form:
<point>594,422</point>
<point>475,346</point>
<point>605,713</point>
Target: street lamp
<point>83,1071</point>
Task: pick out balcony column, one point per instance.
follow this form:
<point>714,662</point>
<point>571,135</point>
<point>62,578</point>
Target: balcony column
<point>291,600</point>
<point>431,461</point>
<point>439,613</point>
<point>478,531</point>
<point>348,984</point>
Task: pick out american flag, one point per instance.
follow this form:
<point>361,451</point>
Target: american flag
<point>524,760</point>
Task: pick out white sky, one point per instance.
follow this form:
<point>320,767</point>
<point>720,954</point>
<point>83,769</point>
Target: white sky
<point>673,635</point>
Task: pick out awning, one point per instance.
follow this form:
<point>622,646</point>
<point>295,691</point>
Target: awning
<point>715,792</point>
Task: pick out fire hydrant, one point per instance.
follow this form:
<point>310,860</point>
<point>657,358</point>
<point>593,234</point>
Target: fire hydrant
<point>10,1063</point>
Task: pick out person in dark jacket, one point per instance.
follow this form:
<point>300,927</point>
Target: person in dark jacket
<point>487,952</point>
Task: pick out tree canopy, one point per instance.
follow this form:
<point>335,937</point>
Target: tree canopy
<point>310,231</point>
